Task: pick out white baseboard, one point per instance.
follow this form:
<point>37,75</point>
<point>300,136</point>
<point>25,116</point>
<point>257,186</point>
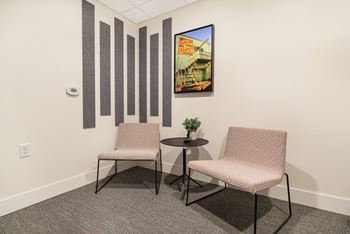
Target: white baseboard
<point>321,201</point>
<point>309,198</point>
<point>28,198</point>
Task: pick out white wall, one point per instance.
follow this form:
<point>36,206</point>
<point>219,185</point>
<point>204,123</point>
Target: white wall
<point>278,65</point>
<point>41,52</point>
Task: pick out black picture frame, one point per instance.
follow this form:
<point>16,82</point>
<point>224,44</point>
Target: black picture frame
<point>202,58</point>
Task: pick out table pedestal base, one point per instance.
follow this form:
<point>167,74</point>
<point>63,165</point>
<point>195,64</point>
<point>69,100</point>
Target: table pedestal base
<point>183,142</point>
<point>182,186</point>
<point>183,177</point>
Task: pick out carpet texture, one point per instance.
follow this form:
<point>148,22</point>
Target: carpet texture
<point>128,204</point>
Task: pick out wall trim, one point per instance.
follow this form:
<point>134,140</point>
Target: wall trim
<point>300,196</point>
<point>317,200</point>
<point>33,196</point>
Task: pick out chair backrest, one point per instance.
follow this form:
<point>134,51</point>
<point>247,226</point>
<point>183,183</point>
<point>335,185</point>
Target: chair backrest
<point>138,136</point>
<point>257,147</point>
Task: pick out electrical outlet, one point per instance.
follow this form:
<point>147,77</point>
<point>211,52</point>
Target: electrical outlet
<point>24,150</point>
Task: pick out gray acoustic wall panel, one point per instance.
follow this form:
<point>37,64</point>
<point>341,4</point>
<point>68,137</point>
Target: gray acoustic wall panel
<point>167,34</point>
<point>88,37</point>
<point>154,74</point>
<point>105,69</point>
<point>119,70</point>
<point>143,74</point>
<point>131,74</point>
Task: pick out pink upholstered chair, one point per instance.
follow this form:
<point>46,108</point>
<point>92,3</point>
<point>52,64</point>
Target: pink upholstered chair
<point>254,159</point>
<point>136,142</point>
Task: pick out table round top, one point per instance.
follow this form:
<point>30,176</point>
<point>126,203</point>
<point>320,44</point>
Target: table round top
<point>179,142</point>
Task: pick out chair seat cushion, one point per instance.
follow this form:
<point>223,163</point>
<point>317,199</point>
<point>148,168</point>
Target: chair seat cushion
<point>130,154</point>
<point>246,177</point>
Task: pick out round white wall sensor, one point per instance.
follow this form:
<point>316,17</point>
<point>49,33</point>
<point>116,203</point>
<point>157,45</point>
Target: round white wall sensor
<point>72,91</point>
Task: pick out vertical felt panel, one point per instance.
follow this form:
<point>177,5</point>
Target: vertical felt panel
<point>167,31</point>
<point>154,74</point>
<point>131,74</point>
<point>143,74</point>
<point>119,70</point>
<point>105,69</point>
<point>88,37</point>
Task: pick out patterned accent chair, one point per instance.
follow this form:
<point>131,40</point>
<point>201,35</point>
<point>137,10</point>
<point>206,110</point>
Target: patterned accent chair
<point>136,142</point>
<point>254,159</point>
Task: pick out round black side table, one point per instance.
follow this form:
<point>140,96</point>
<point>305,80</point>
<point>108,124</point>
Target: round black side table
<point>180,142</point>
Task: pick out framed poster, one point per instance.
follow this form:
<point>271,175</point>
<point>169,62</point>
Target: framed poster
<point>193,60</point>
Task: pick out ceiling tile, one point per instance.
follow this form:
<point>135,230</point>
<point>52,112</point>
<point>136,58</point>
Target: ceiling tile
<point>118,5</point>
<point>190,1</point>
<point>136,15</point>
<point>141,10</point>
<point>158,7</point>
<point>138,2</point>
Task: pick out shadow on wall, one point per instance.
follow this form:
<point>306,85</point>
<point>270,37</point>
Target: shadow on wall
<point>222,147</point>
<point>295,177</point>
<point>299,175</point>
<point>91,177</point>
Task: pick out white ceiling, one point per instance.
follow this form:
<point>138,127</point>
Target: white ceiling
<point>141,10</point>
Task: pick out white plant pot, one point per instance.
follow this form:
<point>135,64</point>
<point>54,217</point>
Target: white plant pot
<point>193,136</point>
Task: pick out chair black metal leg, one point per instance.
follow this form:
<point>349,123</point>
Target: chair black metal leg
<point>289,202</point>
<point>255,211</point>
<point>97,189</point>
<point>255,201</point>
<point>161,168</point>
<point>199,199</point>
<point>110,178</point>
<point>289,207</point>
<point>161,163</point>
<point>188,185</point>
<point>156,172</point>
<point>98,169</point>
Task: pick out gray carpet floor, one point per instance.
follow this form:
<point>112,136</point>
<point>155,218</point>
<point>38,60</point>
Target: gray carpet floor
<point>128,204</point>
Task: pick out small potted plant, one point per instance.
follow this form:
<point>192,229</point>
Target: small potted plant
<point>191,125</point>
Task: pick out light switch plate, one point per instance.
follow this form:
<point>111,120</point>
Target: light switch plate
<point>24,150</point>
